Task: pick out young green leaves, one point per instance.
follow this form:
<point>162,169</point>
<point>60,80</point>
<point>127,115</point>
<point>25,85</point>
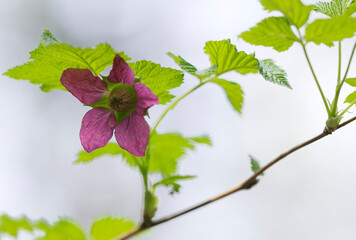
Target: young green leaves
<point>63,229</point>
<point>167,149</point>
<point>336,8</point>
<point>351,97</point>
<point>106,228</point>
<point>109,149</point>
<point>227,58</point>
<point>52,57</point>
<point>294,10</point>
<point>272,32</point>
<point>224,57</point>
<point>255,166</point>
<point>109,228</point>
<point>157,78</point>
<point>339,26</point>
<point>12,226</point>
<point>171,181</point>
<point>165,152</point>
<point>273,73</point>
<point>183,64</point>
<point>329,30</point>
<point>233,92</point>
<point>276,32</point>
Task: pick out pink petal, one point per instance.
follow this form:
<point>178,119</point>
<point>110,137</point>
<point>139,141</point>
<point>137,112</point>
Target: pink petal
<point>132,134</point>
<point>145,98</point>
<point>97,128</point>
<point>121,72</point>
<point>89,89</point>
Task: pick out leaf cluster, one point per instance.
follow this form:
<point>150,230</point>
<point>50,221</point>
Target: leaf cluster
<point>105,228</point>
<point>281,33</point>
<point>52,57</point>
<point>166,151</point>
<point>225,57</point>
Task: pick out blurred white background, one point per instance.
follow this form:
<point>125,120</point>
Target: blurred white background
<point>309,195</point>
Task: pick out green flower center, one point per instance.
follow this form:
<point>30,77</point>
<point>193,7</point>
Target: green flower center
<point>122,98</point>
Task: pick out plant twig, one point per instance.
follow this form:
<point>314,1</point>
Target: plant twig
<point>314,75</point>
<point>131,233</point>
<point>247,184</point>
<point>339,86</point>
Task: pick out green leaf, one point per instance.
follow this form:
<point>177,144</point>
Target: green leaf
<point>172,182</point>
<point>271,32</point>
<point>64,229</point>
<point>294,10</point>
<point>332,9</point>
<point>233,92</point>
<point>167,149</point>
<point>109,228</point>
<point>189,68</point>
<point>255,166</point>
<point>183,64</point>
<point>12,226</point>
<point>52,57</point>
<point>351,81</point>
<point>273,73</point>
<point>48,38</point>
<point>42,225</point>
<point>111,149</point>
<point>158,79</point>
<point>351,9</point>
<point>329,30</point>
<point>350,98</point>
<point>227,58</point>
<point>202,140</point>
<point>202,74</point>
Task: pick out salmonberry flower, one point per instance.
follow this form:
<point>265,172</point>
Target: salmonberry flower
<point>127,103</point>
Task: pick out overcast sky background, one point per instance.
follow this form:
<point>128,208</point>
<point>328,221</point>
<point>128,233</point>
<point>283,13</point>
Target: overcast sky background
<point>309,195</point>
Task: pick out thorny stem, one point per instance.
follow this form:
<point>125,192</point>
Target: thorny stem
<point>247,184</point>
<point>312,70</point>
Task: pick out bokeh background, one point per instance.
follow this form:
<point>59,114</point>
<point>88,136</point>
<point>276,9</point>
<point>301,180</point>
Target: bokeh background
<point>309,195</point>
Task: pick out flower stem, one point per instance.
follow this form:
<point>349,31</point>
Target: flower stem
<point>175,103</point>
<point>312,70</point>
<point>151,200</point>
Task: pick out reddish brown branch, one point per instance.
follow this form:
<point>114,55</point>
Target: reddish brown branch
<point>247,184</point>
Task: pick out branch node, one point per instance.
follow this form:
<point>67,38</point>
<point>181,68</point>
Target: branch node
<point>147,223</point>
<point>249,184</point>
<point>328,131</point>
